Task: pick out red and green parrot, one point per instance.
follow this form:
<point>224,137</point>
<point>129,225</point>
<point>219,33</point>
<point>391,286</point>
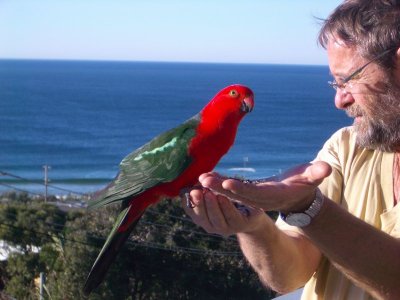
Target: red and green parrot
<point>167,165</point>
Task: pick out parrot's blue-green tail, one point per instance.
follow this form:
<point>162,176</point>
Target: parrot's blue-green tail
<point>109,251</point>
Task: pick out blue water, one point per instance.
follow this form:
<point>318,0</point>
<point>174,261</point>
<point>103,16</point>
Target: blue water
<point>83,117</point>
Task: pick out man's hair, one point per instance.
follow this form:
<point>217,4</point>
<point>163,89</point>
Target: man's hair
<point>372,26</point>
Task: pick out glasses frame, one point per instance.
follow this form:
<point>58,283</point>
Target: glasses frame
<point>341,86</point>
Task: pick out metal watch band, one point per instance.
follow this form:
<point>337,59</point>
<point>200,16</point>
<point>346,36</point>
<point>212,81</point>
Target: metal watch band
<point>316,205</point>
<point>302,219</point>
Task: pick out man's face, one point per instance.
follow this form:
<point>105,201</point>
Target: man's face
<point>372,98</point>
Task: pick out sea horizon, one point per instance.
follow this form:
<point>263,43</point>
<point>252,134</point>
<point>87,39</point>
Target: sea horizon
<point>160,62</point>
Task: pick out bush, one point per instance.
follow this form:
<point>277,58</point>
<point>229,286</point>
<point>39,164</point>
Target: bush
<point>167,256</point>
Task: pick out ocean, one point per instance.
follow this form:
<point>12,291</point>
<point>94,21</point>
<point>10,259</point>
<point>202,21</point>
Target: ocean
<point>81,118</point>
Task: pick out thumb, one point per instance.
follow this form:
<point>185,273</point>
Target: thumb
<point>318,171</point>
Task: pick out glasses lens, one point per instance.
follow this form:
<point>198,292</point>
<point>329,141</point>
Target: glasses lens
<point>333,84</point>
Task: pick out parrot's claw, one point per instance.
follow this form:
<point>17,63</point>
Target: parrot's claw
<point>189,202</point>
<point>186,193</point>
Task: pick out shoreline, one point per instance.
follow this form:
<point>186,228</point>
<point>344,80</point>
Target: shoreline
<point>60,187</point>
<point>59,190</point>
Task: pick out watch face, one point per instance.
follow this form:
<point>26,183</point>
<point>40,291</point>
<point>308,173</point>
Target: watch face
<point>298,219</point>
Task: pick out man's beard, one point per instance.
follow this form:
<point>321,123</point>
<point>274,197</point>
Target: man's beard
<point>379,126</point>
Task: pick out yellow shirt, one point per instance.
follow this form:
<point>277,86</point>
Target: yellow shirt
<point>362,183</point>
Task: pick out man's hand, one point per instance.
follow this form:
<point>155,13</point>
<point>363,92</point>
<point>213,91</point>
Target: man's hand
<point>217,214</point>
<point>293,190</point>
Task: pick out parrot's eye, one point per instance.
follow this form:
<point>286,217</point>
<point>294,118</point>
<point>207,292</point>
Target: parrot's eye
<point>233,93</point>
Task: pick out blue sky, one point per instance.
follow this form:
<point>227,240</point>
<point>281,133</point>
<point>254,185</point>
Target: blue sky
<point>235,31</point>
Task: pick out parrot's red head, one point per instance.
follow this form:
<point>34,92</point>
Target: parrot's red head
<point>220,118</point>
<point>236,96</point>
<point>230,104</point>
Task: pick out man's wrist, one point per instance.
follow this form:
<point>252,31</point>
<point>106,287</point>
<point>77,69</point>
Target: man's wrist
<point>304,218</point>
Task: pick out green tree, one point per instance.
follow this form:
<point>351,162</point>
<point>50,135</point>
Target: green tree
<point>167,257</point>
<point>22,270</point>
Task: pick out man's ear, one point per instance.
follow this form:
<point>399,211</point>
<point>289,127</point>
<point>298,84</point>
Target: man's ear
<point>397,66</point>
<point>397,56</point>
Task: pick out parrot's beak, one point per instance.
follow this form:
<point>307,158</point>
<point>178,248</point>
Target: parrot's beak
<point>247,105</point>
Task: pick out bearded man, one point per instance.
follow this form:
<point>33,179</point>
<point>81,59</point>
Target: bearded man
<point>339,226</point>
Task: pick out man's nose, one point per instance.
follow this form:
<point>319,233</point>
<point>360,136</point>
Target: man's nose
<point>343,99</point>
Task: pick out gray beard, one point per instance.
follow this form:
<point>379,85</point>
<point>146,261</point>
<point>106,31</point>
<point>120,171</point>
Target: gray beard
<point>380,136</point>
<point>380,130</point>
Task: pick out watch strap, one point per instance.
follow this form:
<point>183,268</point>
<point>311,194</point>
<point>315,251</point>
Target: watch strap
<point>301,219</point>
<point>316,205</point>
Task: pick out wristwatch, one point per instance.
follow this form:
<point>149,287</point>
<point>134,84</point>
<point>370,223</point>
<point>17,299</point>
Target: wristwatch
<point>302,219</point>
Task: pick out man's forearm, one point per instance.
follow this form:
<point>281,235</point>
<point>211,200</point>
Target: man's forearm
<point>369,257</point>
<point>284,261</point>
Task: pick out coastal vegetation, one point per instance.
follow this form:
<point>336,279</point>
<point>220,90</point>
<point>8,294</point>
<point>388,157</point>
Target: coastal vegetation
<point>167,257</point>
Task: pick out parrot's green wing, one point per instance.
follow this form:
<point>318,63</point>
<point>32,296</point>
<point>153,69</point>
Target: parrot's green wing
<point>161,160</point>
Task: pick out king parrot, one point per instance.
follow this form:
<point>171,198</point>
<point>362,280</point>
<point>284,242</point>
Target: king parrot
<point>167,165</point>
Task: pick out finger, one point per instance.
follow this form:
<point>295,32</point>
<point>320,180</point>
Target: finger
<point>207,212</point>
<point>249,193</point>
<point>211,180</point>
<point>232,216</point>
<point>214,182</point>
<point>198,213</point>
<point>237,221</point>
<point>307,174</point>
<point>214,212</point>
<point>318,171</point>
<point>311,173</point>
<point>209,174</point>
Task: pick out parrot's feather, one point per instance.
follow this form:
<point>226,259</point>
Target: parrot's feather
<point>151,164</point>
<point>108,253</point>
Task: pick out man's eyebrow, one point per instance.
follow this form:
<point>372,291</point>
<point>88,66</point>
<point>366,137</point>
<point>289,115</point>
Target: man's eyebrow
<point>338,75</point>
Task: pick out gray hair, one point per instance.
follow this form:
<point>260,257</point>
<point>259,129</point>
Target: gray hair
<point>372,26</point>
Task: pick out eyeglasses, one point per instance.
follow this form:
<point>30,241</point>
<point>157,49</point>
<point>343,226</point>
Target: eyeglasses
<point>341,86</point>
